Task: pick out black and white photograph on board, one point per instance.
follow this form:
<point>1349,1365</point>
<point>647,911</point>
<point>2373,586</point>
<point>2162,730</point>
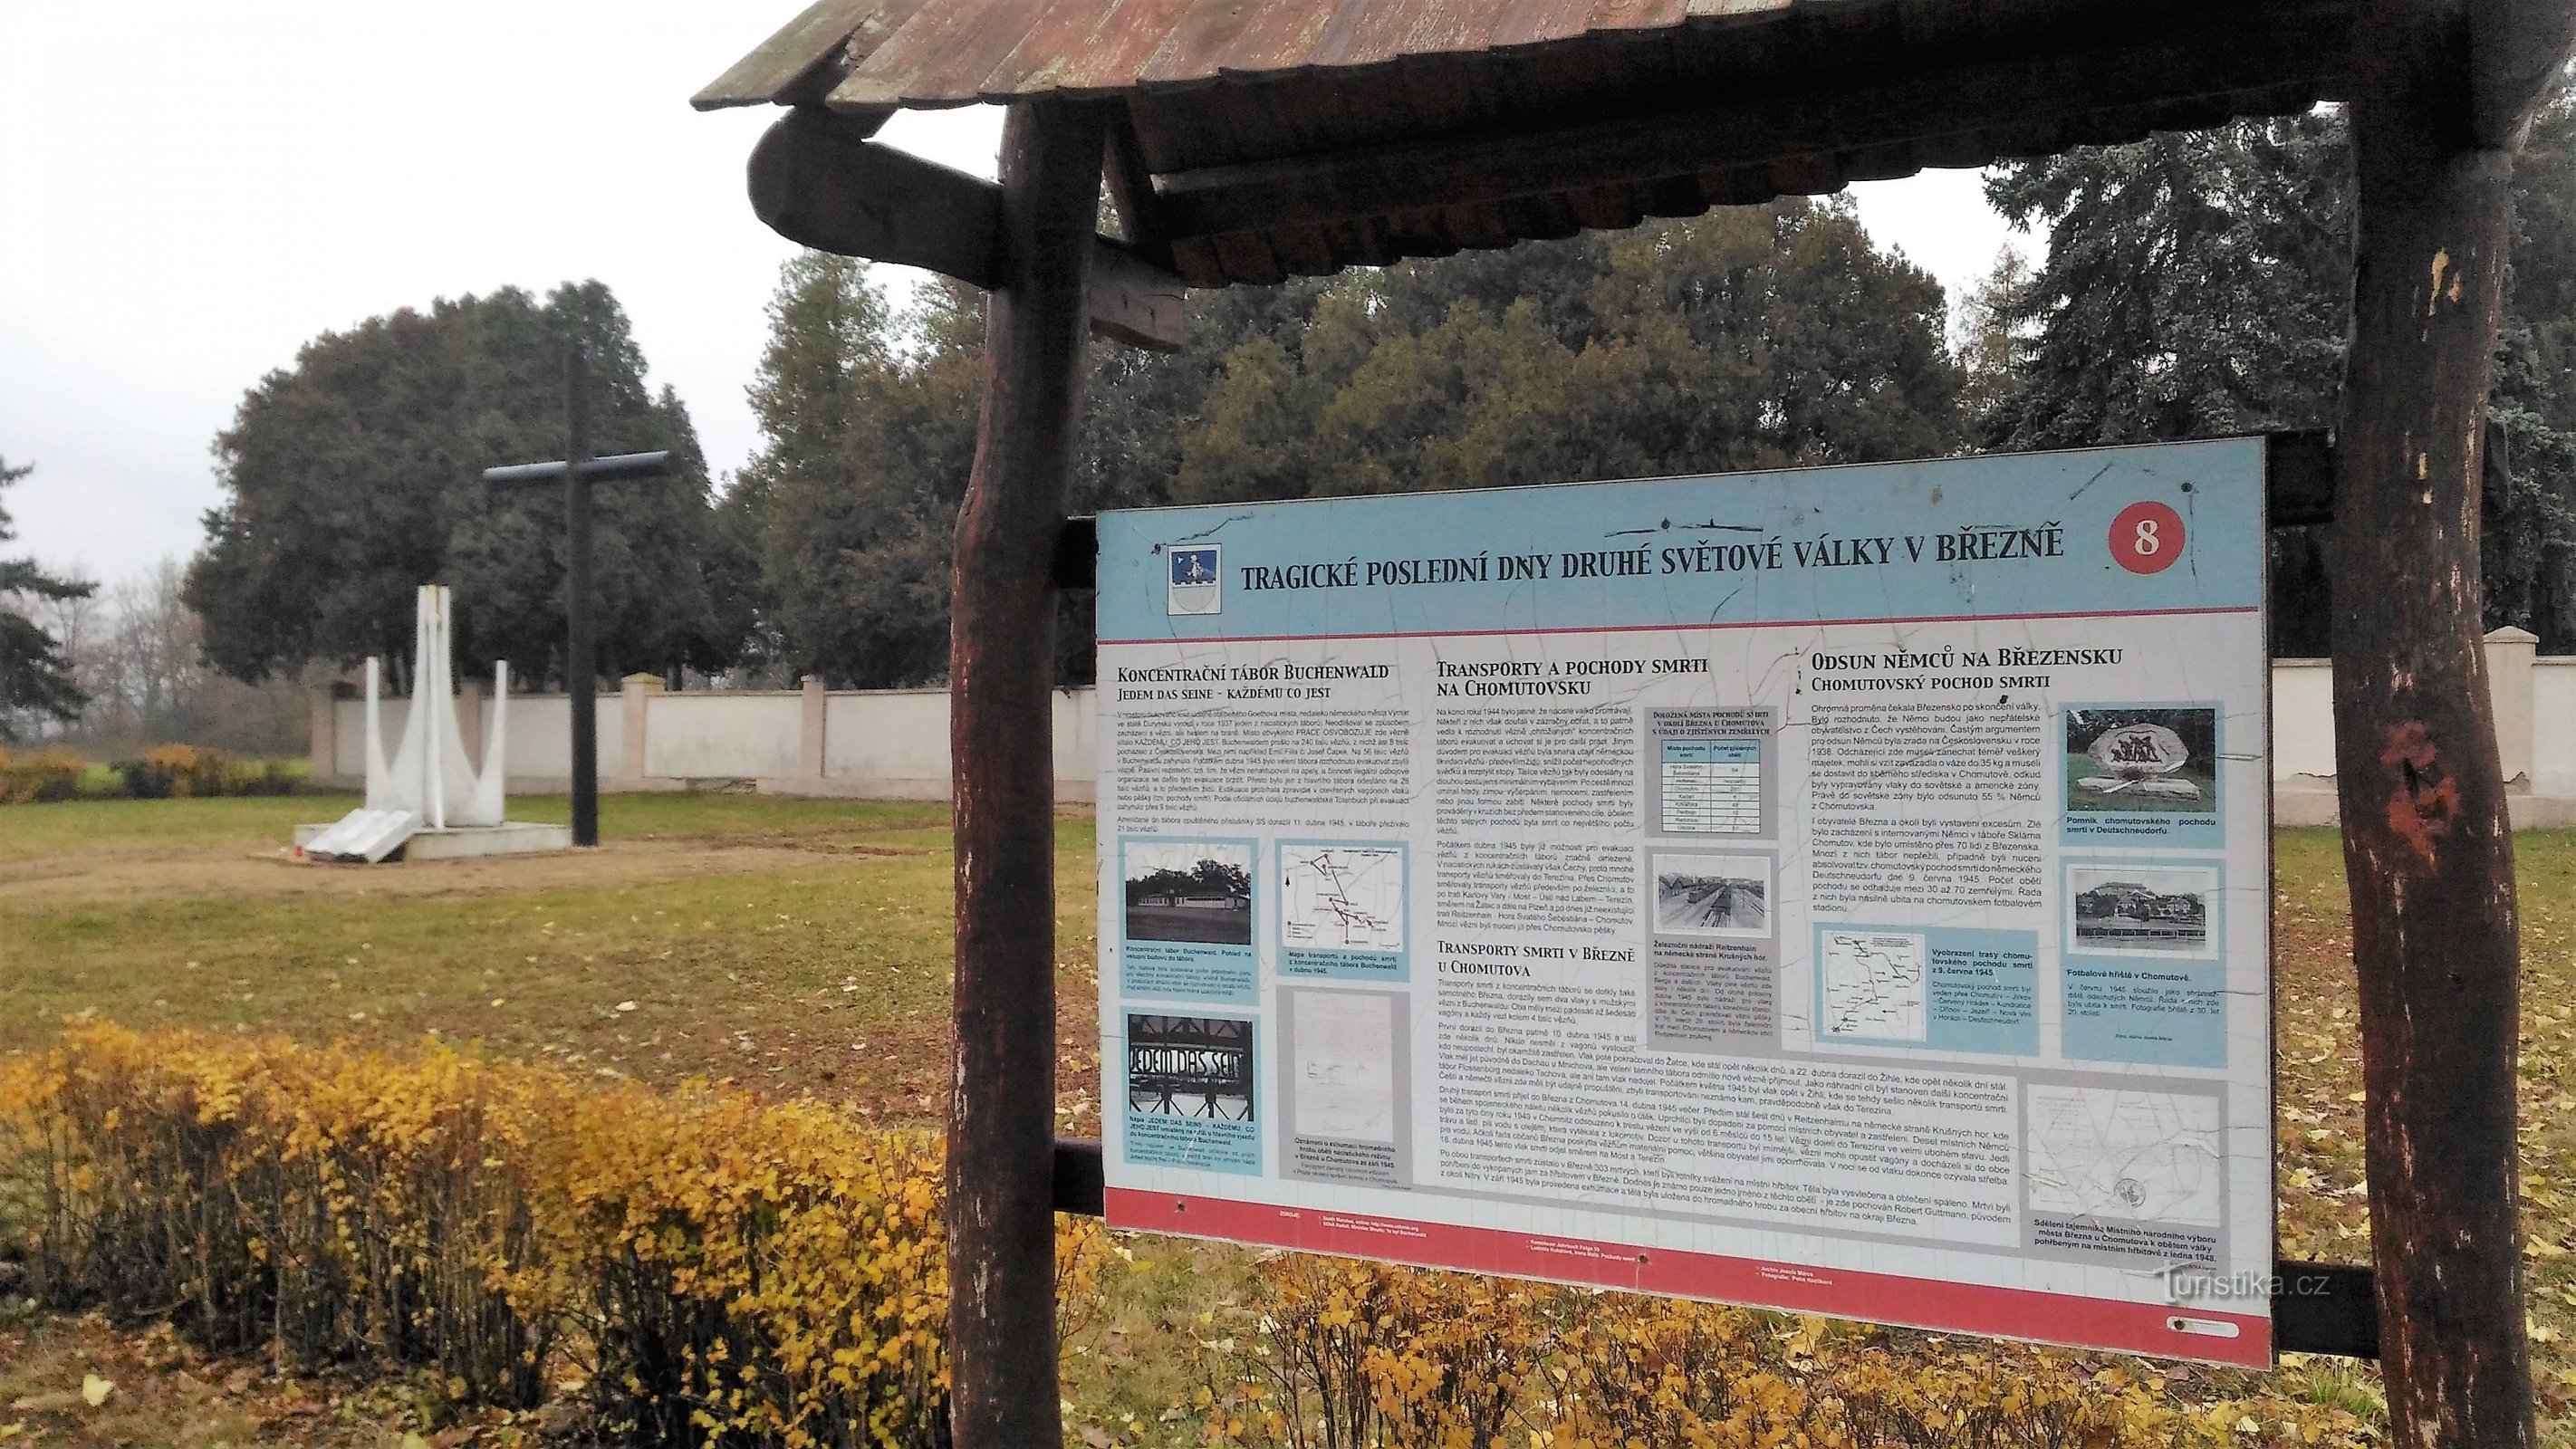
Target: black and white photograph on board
<point>2138,910</point>
<point>1190,1066</point>
<point>1197,891</point>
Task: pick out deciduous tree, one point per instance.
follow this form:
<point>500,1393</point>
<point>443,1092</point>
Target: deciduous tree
<point>1750,338</point>
<point>353,477</point>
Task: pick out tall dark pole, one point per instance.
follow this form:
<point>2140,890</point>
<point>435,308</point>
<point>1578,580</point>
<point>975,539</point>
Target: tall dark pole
<point>1001,1135</point>
<point>581,670</point>
<point>2427,844</point>
<point>579,472</point>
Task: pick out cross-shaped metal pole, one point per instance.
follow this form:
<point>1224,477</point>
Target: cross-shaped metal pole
<point>577,471</point>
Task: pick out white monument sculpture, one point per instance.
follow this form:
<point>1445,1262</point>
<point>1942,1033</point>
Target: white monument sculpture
<point>2142,759</point>
<point>428,800</point>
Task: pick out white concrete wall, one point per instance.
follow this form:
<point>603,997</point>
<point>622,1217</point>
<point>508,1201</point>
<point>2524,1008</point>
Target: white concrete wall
<point>1077,743</point>
<point>540,739</point>
<point>2553,727</point>
<point>709,734</point>
<point>893,743</point>
<point>539,744</point>
<point>2302,719</point>
<point>896,738</point>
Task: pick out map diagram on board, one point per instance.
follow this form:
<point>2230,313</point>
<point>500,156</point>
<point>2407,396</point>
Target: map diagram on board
<point>1348,897</point>
<point>2097,1152</point>
<point>1873,986</point>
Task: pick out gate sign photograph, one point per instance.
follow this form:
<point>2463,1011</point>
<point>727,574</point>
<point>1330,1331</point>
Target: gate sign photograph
<point>1841,890</point>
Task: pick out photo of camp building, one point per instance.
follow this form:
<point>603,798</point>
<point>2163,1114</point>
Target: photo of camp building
<point>2122,909</point>
<point>1190,1066</point>
<point>1189,891</point>
<point>2160,759</point>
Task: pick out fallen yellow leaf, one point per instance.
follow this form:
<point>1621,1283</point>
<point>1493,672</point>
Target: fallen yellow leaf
<point>96,1389</point>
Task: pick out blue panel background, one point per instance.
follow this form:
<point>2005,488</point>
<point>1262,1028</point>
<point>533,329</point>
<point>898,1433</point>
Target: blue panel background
<point>2217,488</point>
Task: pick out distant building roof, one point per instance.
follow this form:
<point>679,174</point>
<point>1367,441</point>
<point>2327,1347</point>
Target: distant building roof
<point>1264,138</point>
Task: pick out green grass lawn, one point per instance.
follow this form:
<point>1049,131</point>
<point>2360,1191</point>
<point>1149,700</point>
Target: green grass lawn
<point>791,945</point>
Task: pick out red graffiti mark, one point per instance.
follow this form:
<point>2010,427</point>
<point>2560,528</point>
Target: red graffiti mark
<point>2426,799</point>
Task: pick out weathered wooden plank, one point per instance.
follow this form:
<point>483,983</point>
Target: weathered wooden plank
<point>938,59</point>
<point>2327,1308</point>
<point>808,42</point>
<point>2428,850</point>
<point>817,180</point>
<point>1081,1177</point>
<point>1120,45</point>
<point>1001,1133</point>
<point>2234,54</point>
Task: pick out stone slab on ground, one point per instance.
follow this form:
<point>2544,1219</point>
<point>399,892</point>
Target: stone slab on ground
<point>516,837</point>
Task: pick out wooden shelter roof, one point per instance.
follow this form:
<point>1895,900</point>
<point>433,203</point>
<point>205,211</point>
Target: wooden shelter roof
<point>1263,138</point>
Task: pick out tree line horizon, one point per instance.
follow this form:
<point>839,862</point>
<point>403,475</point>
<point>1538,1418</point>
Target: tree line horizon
<point>2194,284</point>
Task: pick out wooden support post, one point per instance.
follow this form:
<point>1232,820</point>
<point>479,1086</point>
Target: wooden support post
<point>2426,839</point>
<point>581,668</point>
<point>1001,1144</point>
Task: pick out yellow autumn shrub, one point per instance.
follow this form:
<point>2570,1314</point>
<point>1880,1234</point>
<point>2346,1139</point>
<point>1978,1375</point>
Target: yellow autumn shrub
<point>707,1268</point>
<point>704,1269</point>
<point>41,777</point>
<point>1332,1354</point>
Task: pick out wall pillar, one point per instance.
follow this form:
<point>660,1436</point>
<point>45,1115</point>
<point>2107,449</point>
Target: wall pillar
<point>2509,655</point>
<point>635,694</point>
<point>326,732</point>
<point>809,740</point>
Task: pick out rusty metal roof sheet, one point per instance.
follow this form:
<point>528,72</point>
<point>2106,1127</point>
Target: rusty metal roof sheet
<point>1269,137</point>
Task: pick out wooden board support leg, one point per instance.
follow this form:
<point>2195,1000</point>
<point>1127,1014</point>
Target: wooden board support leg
<point>1001,1144</point>
<point>2426,839</point>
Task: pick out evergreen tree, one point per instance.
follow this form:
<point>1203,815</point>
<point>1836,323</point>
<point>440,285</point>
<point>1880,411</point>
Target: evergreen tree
<point>35,673</point>
<point>355,476</point>
<point>2198,284</point>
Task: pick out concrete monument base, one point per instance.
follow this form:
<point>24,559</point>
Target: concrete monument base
<point>514,837</point>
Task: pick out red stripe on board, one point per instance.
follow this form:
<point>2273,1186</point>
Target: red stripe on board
<point>1993,1312</point>
<point>1680,628</point>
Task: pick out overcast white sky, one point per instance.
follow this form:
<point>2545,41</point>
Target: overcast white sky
<point>190,190</point>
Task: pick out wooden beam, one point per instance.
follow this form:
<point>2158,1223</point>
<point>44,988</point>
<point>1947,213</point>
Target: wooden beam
<point>1001,1130</point>
<point>2267,49</point>
<point>1130,180</point>
<point>817,180</point>
<point>2515,50</point>
<point>2428,848</point>
<point>1135,302</point>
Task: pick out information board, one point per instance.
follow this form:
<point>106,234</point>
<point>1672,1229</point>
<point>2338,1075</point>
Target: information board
<point>1844,890</point>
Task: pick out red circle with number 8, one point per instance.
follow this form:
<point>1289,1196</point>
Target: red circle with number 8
<point>2146,538</point>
